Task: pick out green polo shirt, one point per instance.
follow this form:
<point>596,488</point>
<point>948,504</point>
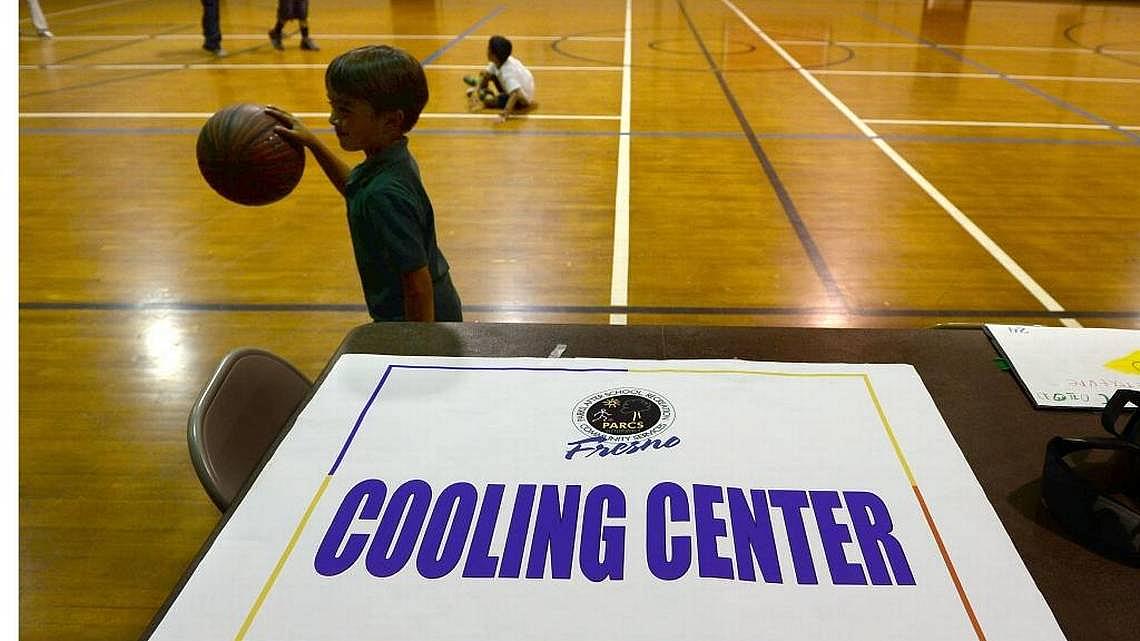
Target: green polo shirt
<point>392,224</point>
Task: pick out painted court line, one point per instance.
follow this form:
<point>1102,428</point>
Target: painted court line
<point>459,38</point>
<point>970,75</point>
<point>787,203</point>
<point>950,53</point>
<point>619,272</point>
<point>996,123</point>
<point>89,7</point>
<point>1004,259</point>
<point>271,66</point>
<point>913,45</point>
<point>335,308</point>
<point>324,36</point>
<point>195,115</point>
<point>606,133</point>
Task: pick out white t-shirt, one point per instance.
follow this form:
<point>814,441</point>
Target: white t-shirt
<point>513,75</point>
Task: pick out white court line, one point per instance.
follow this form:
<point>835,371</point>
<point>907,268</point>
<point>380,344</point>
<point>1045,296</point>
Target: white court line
<point>619,274</point>
<point>958,215</point>
<point>258,66</point>
<point>87,38</point>
<point>270,66</point>
<point>478,116</point>
<point>964,74</point>
<point>317,65</point>
<point>536,67</point>
<point>916,45</point>
<point>992,123</point>
<point>89,7</point>
<point>428,36</point>
<point>195,115</point>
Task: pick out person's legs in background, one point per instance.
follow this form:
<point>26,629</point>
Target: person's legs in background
<point>38,19</point>
<point>212,27</point>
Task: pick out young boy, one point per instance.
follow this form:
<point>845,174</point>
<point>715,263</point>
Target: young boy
<point>513,82</point>
<point>292,10</point>
<point>377,93</point>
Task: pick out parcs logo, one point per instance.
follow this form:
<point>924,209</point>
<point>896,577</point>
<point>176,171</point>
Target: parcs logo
<point>623,414</point>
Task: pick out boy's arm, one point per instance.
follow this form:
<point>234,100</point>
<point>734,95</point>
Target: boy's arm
<point>514,98</point>
<point>419,297</point>
<point>292,129</point>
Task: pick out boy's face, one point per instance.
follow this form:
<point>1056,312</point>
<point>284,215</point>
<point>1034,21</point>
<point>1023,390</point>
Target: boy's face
<point>492,58</point>
<point>358,126</point>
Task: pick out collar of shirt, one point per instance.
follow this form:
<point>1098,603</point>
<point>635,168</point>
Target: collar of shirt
<point>373,165</point>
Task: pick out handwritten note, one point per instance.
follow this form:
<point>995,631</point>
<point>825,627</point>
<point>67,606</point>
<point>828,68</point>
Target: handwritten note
<point>1070,367</point>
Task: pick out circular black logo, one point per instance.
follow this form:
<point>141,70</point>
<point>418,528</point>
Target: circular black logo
<point>623,414</point>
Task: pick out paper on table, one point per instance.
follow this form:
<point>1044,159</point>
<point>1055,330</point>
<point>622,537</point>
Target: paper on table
<point>1070,367</point>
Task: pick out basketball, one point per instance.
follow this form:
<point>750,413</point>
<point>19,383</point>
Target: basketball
<point>244,160</point>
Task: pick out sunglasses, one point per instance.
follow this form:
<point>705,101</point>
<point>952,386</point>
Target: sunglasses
<point>1092,485</point>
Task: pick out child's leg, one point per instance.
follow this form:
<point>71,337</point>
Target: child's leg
<point>307,42</point>
<point>38,19</point>
<point>495,101</point>
<point>282,18</point>
<point>301,12</point>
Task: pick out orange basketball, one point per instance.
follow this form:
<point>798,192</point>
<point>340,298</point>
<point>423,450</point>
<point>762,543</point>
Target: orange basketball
<point>244,160</point>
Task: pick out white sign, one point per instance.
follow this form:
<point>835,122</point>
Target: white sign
<point>448,499</point>
<point>1070,367</point>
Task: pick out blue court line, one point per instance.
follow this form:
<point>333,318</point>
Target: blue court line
<point>575,309</point>
<point>463,34</point>
<point>562,133</point>
<point>793,215</point>
<point>1064,104</point>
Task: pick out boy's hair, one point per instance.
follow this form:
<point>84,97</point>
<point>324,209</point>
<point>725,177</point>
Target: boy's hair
<point>501,47</point>
<point>385,77</point>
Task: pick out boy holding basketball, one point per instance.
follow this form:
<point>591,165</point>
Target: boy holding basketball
<point>513,82</point>
<point>377,93</point>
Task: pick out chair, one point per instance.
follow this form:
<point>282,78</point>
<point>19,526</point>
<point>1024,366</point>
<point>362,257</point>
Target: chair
<point>237,417</point>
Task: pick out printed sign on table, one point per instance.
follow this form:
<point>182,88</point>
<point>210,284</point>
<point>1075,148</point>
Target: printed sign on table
<point>1070,367</point>
<point>447,499</point>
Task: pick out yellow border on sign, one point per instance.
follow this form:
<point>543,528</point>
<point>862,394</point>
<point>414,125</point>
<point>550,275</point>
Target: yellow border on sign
<point>281,561</point>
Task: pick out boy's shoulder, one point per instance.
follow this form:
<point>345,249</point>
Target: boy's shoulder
<point>393,181</point>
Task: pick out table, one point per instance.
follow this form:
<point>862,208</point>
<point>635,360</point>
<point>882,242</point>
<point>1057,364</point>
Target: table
<point>1000,434</point>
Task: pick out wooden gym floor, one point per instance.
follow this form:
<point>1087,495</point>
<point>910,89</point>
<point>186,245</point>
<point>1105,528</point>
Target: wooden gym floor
<point>833,163</point>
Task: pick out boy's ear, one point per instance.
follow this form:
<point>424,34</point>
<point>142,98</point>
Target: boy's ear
<point>393,118</point>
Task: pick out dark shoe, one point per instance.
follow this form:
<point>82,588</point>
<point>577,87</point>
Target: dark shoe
<point>471,80</point>
<point>44,33</point>
<point>308,45</point>
<point>216,50</point>
<point>275,38</point>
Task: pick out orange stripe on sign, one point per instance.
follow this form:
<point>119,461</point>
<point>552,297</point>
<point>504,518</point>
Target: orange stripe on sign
<point>949,565</point>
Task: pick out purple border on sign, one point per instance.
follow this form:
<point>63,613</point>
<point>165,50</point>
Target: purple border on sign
<point>388,370</point>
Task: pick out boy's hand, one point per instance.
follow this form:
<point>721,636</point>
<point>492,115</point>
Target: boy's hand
<point>291,128</point>
<point>503,117</point>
